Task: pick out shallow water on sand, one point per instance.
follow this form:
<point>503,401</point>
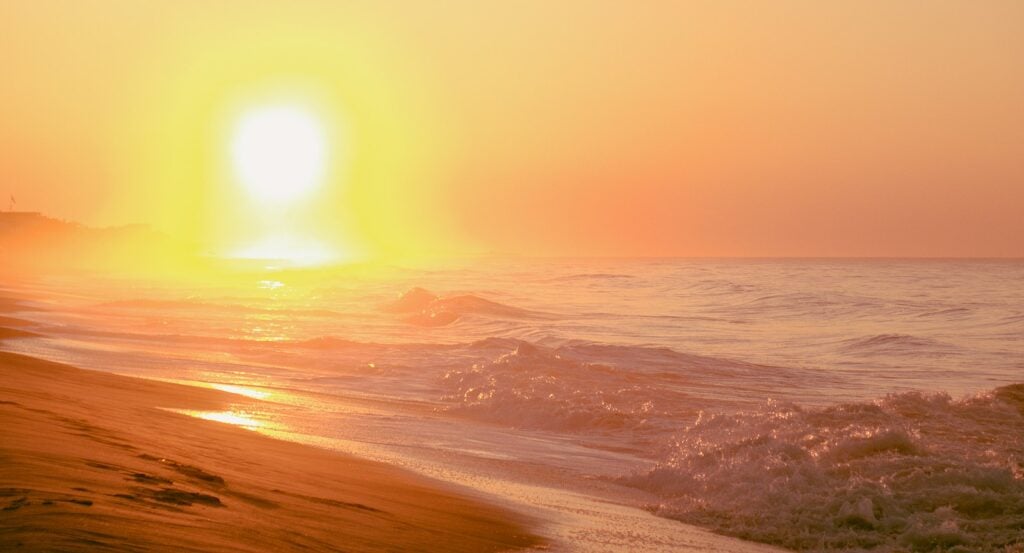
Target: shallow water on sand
<point>814,404</point>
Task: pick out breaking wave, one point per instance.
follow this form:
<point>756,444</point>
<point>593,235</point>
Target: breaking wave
<point>583,387</point>
<point>917,472</point>
<point>534,387</point>
<point>421,307</point>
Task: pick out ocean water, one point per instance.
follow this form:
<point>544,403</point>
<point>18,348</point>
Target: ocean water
<point>822,405</point>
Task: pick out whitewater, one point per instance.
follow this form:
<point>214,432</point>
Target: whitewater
<point>818,405</point>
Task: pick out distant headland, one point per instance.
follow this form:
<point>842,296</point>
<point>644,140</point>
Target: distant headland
<point>30,240</point>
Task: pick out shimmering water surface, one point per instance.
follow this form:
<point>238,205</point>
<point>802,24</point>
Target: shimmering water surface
<point>813,404</point>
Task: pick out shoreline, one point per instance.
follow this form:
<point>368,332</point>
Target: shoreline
<point>121,472</point>
<point>482,511</point>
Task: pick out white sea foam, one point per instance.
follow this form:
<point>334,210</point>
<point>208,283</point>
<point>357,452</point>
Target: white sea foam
<point>534,387</point>
<point>911,471</point>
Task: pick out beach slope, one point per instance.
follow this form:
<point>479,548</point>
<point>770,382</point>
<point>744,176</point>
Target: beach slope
<point>91,461</point>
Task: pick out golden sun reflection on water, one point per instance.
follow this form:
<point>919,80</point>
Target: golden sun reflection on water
<point>245,419</point>
<point>237,389</point>
<point>241,415</point>
<point>241,390</point>
<point>270,284</point>
<point>229,417</point>
<point>267,327</point>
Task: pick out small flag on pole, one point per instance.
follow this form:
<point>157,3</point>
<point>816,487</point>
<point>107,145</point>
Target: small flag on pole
<point>13,202</point>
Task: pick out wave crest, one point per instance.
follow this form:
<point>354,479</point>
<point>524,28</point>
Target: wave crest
<point>424,308</point>
<point>897,344</point>
<point>535,387</point>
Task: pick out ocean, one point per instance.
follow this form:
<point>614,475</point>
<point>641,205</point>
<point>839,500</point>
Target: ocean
<point>822,405</point>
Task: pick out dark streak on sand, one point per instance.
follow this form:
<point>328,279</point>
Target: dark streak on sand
<point>44,498</point>
<point>17,504</point>
<point>148,478</point>
<point>330,502</point>
<point>194,472</point>
<point>166,493</point>
<point>179,497</point>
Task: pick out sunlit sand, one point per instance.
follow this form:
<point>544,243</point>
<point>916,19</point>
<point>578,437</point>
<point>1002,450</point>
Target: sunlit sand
<point>159,481</point>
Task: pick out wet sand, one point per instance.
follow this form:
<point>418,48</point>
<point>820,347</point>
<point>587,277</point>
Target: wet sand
<point>95,461</point>
<point>91,461</point>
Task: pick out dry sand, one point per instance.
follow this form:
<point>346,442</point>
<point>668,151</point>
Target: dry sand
<point>90,462</point>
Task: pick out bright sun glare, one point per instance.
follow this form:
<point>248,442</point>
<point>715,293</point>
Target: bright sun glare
<point>279,153</point>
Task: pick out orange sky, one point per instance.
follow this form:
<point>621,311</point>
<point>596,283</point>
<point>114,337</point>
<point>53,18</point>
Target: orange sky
<point>787,128</point>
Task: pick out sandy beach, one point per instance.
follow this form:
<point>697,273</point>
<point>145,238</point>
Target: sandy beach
<point>94,462</point>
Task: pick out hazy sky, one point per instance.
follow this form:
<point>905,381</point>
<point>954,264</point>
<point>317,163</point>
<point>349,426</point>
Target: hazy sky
<point>793,128</point>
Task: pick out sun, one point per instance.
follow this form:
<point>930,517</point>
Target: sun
<point>279,153</point>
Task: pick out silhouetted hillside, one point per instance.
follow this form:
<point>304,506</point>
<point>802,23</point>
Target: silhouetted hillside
<point>33,241</point>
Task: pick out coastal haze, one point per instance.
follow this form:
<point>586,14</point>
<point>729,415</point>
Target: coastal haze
<point>795,128</point>
<point>684,276</point>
